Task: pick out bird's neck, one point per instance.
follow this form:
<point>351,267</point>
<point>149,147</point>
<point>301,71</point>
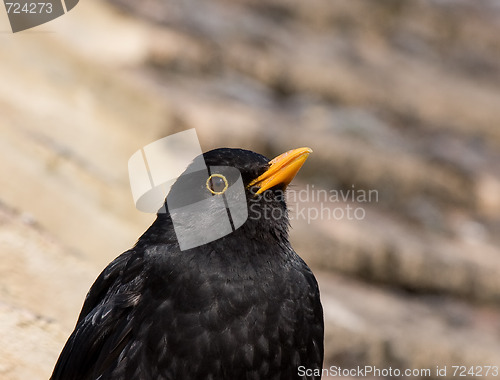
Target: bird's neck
<point>160,232</point>
<point>251,233</point>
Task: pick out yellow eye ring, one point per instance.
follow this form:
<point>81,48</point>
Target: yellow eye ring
<point>226,185</point>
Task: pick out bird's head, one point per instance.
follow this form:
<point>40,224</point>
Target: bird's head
<point>228,190</point>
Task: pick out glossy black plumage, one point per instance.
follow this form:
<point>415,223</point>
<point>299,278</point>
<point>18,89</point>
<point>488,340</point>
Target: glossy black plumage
<point>244,306</point>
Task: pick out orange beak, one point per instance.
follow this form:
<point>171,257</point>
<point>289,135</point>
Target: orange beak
<point>282,169</point>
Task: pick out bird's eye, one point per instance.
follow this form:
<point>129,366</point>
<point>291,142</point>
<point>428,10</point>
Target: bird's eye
<point>217,184</point>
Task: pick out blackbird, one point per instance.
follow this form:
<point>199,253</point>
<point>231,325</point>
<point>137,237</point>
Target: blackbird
<point>240,304</point>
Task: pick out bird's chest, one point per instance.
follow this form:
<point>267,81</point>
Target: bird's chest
<point>222,319</point>
<point>226,329</point>
<point>216,292</point>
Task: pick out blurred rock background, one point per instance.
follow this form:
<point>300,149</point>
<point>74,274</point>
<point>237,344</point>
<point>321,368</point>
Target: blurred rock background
<point>397,97</point>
